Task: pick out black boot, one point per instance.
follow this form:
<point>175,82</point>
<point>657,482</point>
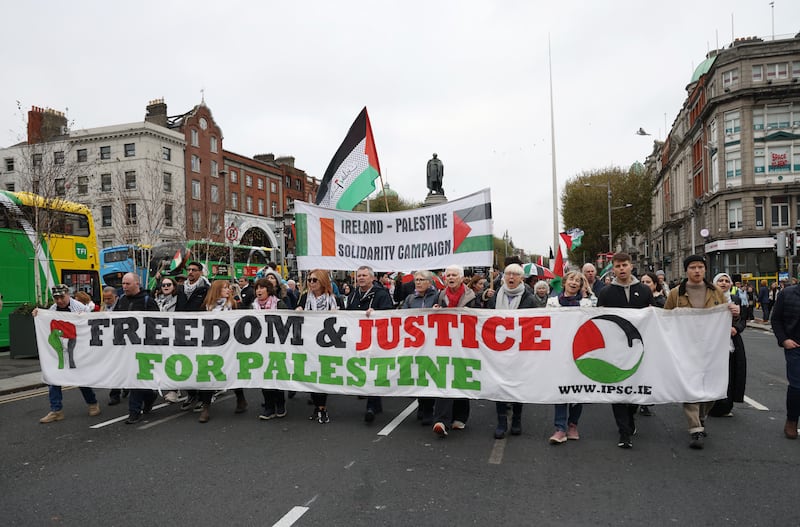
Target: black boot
<point>502,426</point>
<point>516,424</point>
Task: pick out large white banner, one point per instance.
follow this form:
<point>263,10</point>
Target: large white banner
<point>458,232</point>
<point>537,356</point>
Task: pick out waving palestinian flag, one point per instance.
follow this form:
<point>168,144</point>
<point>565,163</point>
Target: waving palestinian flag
<point>351,175</point>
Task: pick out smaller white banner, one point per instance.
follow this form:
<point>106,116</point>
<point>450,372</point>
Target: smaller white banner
<point>457,232</point>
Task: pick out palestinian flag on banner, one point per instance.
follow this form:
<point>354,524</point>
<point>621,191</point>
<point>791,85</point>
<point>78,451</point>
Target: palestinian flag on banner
<point>351,174</point>
<point>472,229</point>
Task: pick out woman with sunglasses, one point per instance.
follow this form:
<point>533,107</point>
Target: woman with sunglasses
<point>266,299</point>
<point>167,298</point>
<point>318,297</point>
<point>219,298</point>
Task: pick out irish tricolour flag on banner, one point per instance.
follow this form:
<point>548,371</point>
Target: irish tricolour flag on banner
<point>457,232</point>
<point>351,174</point>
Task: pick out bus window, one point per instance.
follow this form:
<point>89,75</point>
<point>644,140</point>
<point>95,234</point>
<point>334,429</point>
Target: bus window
<point>88,281</point>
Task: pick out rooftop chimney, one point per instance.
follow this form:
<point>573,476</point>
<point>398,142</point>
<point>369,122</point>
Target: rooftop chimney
<point>45,124</point>
<point>285,160</point>
<point>265,158</point>
<point>156,112</point>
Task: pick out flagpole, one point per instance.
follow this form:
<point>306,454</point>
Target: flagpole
<point>556,245</point>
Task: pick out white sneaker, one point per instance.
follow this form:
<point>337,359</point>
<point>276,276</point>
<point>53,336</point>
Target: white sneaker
<point>171,397</point>
<point>459,425</point>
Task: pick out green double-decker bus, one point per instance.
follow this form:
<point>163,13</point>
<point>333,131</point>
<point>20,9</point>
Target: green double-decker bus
<point>44,243</point>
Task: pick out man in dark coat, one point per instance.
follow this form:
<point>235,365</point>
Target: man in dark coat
<point>369,295</point>
<point>786,326</point>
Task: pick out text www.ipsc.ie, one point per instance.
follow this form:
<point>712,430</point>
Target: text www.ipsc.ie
<point>606,388</point>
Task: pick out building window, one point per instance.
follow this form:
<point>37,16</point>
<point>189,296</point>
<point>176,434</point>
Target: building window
<point>234,201</point>
<point>195,138</point>
<point>248,179</point>
<point>130,214</point>
<point>730,78</point>
<point>214,169</point>
<point>758,119</point>
<point>167,182</point>
<point>234,177</point>
<point>195,163</point>
<point>733,165</point>
<point>215,226</point>
<point>106,213</point>
<point>195,189</point>
<point>130,180</point>
<point>196,220</point>
<point>758,73</point>
<point>105,182</point>
<point>758,161</point>
<point>778,116</point>
<point>779,206</point>
<point>9,164</point>
<point>213,146</point>
<point>83,185</point>
<point>759,208</point>
<point>249,202</point>
<point>130,149</point>
<point>58,157</point>
<point>61,187</point>
<point>289,202</point>
<point>273,187</point>
<point>105,152</point>
<point>168,214</point>
<point>261,207</point>
<point>260,183</point>
<point>166,153</point>
<point>274,207</point>
<point>10,187</point>
<point>733,123</point>
<point>734,214</point>
<point>214,194</point>
<point>83,155</point>
<point>37,160</point>
<point>288,182</point>
<point>777,71</point>
<point>297,184</point>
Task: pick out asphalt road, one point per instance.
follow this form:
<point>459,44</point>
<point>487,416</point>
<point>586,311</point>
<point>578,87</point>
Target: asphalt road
<point>237,470</point>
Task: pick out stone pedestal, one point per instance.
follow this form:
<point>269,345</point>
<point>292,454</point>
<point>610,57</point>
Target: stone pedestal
<point>434,199</point>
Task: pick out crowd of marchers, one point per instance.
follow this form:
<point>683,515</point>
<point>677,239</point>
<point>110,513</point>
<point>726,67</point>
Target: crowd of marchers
<point>509,289</point>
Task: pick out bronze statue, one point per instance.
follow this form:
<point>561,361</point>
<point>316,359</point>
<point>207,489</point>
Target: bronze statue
<point>435,175</point>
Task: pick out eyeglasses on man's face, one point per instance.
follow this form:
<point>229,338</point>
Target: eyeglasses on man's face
<point>193,270</point>
<point>166,284</point>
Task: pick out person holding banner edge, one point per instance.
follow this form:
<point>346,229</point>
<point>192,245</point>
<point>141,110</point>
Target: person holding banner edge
<point>697,292</point>
<point>369,295</point>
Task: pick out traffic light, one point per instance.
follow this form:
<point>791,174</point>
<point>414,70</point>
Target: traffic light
<point>791,243</point>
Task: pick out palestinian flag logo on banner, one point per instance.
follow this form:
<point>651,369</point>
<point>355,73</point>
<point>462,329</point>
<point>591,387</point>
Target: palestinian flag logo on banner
<point>352,172</point>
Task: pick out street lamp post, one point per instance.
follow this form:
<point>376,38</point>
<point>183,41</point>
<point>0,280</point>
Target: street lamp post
<point>610,208</point>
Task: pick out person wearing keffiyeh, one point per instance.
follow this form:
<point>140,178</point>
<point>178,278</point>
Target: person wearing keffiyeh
<point>318,297</point>
<point>512,294</point>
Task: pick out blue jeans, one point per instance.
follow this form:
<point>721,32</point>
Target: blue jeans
<point>56,397</point>
<point>793,390</point>
<point>137,399</point>
<point>574,411</point>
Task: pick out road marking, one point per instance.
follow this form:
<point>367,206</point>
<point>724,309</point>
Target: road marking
<point>755,404</point>
<point>347,466</point>
<point>21,396</point>
<point>124,417</point>
<point>496,457</point>
<point>290,517</point>
<point>386,430</point>
<point>160,421</point>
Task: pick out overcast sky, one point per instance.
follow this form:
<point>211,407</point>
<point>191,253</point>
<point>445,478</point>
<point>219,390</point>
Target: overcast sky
<point>465,79</point>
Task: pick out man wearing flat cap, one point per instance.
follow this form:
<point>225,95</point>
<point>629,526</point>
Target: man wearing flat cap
<point>64,302</point>
<point>697,292</point>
